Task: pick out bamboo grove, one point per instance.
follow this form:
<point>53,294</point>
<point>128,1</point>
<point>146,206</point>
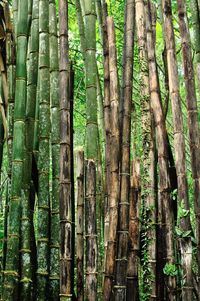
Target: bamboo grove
<point>99,150</point>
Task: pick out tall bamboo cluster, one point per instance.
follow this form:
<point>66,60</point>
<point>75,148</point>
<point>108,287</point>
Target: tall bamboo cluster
<point>117,218</point>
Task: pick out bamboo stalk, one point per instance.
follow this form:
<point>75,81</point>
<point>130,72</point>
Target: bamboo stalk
<point>133,255</point>
<point>114,164</point>
<point>125,136</point>
<point>55,150</point>
<point>91,79</point>
<point>179,141</point>
<point>165,248</point>
<point>80,226</point>
<point>148,160</point>
<point>90,232</point>
<point>43,154</point>
<point>107,123</point>
<point>11,279</point>
<point>194,140</point>
<point>66,272</point>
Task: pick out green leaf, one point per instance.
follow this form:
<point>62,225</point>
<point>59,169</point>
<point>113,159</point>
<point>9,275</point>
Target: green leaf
<point>170,269</point>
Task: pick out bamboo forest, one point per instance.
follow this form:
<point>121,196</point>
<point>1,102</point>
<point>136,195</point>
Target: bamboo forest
<point>99,150</point>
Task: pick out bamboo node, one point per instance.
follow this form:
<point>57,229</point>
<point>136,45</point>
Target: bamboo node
<point>26,280</point>
<point>11,273</point>
<point>124,203</point>
<point>25,251</point>
<point>91,273</point>
<point>91,235</point>
<point>13,235</point>
<point>42,273</point>
<point>55,246</point>
<point>124,173</point>
<point>43,207</point>
<point>54,277</point>
<point>120,286</point>
<point>43,239</point>
<point>65,221</point>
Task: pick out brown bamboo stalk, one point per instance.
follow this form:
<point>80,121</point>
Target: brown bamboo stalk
<point>80,225</point>
<point>179,142</point>
<point>90,232</point>
<point>133,255</point>
<point>106,121</point>
<point>125,126</point>
<point>114,163</point>
<point>166,251</point>
<point>66,272</point>
<point>193,131</point>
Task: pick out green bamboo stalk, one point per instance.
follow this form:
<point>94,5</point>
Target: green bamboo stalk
<point>44,154</point>
<point>55,149</point>
<point>27,220</point>
<point>11,279</point>
<point>91,89</point>
<point>15,4</point>
<point>30,6</point>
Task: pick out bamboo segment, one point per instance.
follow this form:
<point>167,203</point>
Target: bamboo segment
<point>11,279</point>
<point>195,16</point>
<point>80,226</point>
<point>66,271</point>
<point>44,154</point>
<point>194,131</point>
<point>10,62</point>
<point>114,164</point>
<point>91,79</point>
<point>125,127</point>
<point>55,149</point>
<point>90,231</point>
<point>133,258</point>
